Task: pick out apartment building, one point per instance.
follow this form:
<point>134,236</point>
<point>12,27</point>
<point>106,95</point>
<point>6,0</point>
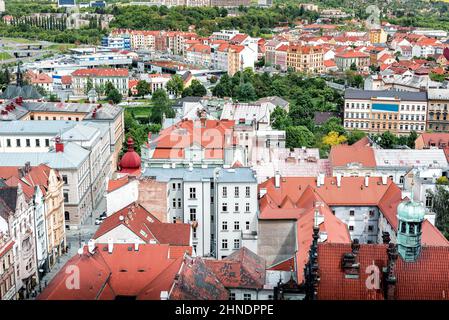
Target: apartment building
<point>437,115</point>
<point>80,153</point>
<point>348,59</point>
<point>219,204</point>
<point>385,110</point>
<point>306,59</point>
<point>377,36</point>
<point>7,278</point>
<point>199,54</point>
<point>98,78</point>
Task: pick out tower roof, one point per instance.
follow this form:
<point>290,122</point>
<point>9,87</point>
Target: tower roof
<point>131,159</point>
<point>411,211</point>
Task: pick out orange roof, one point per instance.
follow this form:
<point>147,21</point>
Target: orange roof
<point>137,219</point>
<point>238,38</point>
<point>329,63</point>
<point>342,155</point>
<point>352,54</point>
<point>38,78</point>
<point>101,72</point>
<point>212,135</point>
<point>115,184</point>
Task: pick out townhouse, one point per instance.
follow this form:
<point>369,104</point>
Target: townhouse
<point>346,60</point>
<point>306,59</point>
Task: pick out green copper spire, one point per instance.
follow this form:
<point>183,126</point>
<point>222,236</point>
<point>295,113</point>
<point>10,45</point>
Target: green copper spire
<point>410,217</point>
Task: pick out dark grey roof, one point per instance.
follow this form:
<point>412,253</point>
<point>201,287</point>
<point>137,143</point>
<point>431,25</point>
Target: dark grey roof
<point>8,195</point>
<point>321,117</point>
<point>368,94</point>
<point>26,92</point>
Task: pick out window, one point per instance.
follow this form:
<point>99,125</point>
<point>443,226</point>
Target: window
<point>351,212</point>
<point>28,143</point>
<point>236,192</point>
<point>173,186</point>
<point>370,228</point>
<point>247,192</point>
<point>236,243</point>
<point>174,219</point>
<point>428,201</point>
<point>192,193</point>
<point>401,179</point>
<point>179,186</point>
<point>47,142</point>
<point>174,203</point>
<point>247,225</point>
<point>236,225</point>
<point>225,192</point>
<point>224,243</point>
<point>247,208</point>
<point>224,225</point>
<point>179,203</point>
<point>351,228</point>
<point>8,143</point>
<point>192,214</point>
<point>64,178</point>
<point>67,215</point>
<point>236,207</point>
<point>38,143</point>
<point>372,213</point>
<point>17,142</point>
<point>246,296</point>
<point>224,207</point>
<point>66,196</point>
<point>232,296</point>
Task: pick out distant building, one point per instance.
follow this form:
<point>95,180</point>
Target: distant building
<point>307,59</point>
<point>230,3</point>
<point>385,110</point>
<point>99,77</point>
<point>67,3</point>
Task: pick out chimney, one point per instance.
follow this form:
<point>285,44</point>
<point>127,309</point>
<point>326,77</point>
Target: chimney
<point>349,264</point>
<point>91,246</point>
<point>366,181</point>
<point>27,167</point>
<point>338,180</point>
<point>318,181</point>
<point>262,192</point>
<point>384,179</point>
<point>190,166</point>
<point>277,179</point>
<point>59,145</point>
<point>388,272</point>
<point>110,245</point>
<point>136,246</point>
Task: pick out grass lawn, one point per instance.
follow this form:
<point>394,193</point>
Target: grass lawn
<point>5,56</point>
<point>140,112</point>
<point>61,47</point>
<point>18,40</point>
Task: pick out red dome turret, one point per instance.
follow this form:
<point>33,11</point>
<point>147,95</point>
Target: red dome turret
<point>130,160</point>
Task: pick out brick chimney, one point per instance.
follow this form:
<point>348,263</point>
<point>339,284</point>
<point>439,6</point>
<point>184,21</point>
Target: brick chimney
<point>386,237</point>
<point>388,272</point>
<point>349,264</point>
<point>59,145</point>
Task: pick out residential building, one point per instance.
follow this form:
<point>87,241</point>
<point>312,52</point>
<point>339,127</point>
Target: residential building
<point>240,57</point>
<point>306,59</point>
<point>222,222</point>
<point>81,154</point>
<point>296,212</point>
<point>385,110</point>
<point>98,78</point>
<point>7,274</point>
<point>116,42</point>
<point>39,79</point>
<point>230,3</point>
<point>377,36</point>
<point>437,112</point>
<point>199,54</point>
<point>432,141</point>
<point>348,59</point>
<point>17,220</point>
<point>45,186</point>
<point>133,224</point>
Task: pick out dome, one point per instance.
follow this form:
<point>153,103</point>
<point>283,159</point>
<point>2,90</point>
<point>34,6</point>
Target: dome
<point>411,211</point>
<point>131,159</point>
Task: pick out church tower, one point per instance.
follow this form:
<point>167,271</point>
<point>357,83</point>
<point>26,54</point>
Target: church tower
<point>410,219</point>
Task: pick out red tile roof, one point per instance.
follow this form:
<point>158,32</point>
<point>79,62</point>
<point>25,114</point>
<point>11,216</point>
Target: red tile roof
<point>425,279</point>
<point>242,269</point>
<point>342,155</point>
<point>212,136</point>
<point>137,219</point>
<point>352,54</point>
<point>6,248</point>
<point>101,72</point>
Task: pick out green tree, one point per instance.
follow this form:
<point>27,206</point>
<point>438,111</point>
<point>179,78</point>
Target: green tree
<point>196,89</point>
<point>355,135</point>
<point>108,88</point>
<point>280,119</point>
<point>89,86</point>
<point>245,92</point>
<point>143,88</point>
<point>161,106</point>
<point>299,136</point>
<point>114,95</point>
<point>175,85</point>
<point>440,205</point>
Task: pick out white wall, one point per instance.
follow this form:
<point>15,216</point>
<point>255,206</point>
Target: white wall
<point>122,197</point>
